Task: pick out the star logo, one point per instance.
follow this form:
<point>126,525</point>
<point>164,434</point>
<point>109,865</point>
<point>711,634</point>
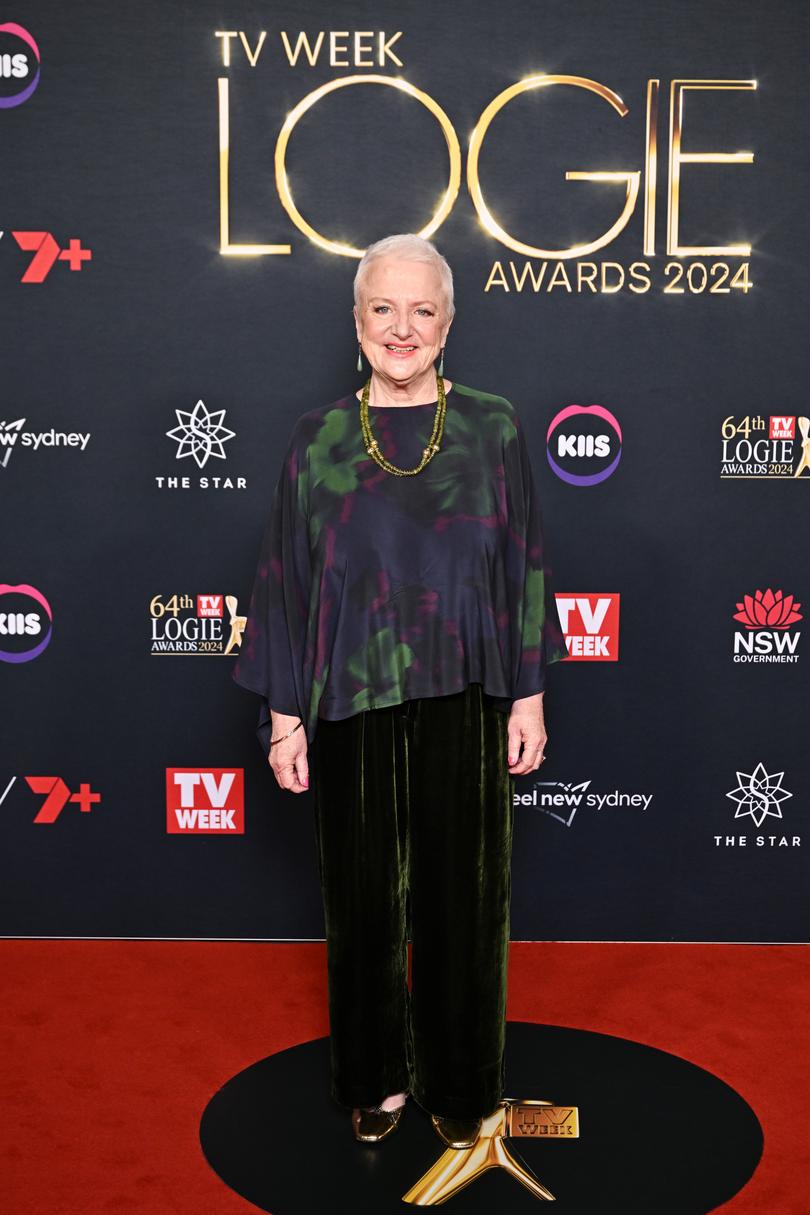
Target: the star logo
<point>200,434</point>
<point>759,793</point>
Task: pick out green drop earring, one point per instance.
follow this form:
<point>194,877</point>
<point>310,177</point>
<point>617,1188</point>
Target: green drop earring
<point>441,363</point>
<point>359,357</point>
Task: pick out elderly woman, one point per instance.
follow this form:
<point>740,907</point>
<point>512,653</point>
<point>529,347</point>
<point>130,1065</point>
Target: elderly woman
<point>401,622</point>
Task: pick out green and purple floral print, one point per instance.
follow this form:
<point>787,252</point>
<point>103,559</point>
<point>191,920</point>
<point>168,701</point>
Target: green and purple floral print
<point>373,589</point>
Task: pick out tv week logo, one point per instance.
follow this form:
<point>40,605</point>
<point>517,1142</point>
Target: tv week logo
<point>210,607</point>
<point>782,427</point>
<point>205,801</point>
<point>590,623</point>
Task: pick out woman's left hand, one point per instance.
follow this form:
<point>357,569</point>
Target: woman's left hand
<point>527,726</point>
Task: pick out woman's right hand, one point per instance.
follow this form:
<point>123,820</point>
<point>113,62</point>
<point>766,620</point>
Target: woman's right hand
<point>288,758</point>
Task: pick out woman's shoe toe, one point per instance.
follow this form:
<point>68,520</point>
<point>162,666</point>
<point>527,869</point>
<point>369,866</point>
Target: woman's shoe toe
<point>456,1132</point>
<point>370,1126</point>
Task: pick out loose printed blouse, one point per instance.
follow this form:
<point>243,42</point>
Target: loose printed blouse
<point>373,589</point>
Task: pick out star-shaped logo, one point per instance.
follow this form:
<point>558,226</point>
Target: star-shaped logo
<point>759,793</point>
<point>200,434</point>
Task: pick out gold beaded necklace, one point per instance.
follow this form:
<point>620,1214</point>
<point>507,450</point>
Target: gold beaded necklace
<point>372,447</point>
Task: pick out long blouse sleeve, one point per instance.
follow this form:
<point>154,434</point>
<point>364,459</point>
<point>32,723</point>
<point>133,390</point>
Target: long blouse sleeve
<point>272,659</point>
<point>537,633</point>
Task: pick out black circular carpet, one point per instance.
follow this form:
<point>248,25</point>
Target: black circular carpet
<point>658,1135</point>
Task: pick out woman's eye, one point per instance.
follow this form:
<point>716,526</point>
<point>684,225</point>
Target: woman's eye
<point>424,311</point>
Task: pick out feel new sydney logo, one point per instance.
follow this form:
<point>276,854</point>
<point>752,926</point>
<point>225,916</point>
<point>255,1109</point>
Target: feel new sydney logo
<point>561,799</point>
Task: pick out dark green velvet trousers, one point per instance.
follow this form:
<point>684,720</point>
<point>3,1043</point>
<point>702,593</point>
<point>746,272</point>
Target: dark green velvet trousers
<point>413,822</point>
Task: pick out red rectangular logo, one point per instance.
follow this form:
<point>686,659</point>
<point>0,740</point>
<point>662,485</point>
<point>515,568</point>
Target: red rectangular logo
<point>209,607</point>
<point>590,623</point>
<point>782,427</point>
<point>205,801</point>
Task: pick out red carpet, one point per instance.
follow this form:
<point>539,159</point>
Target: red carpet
<point>111,1050</point>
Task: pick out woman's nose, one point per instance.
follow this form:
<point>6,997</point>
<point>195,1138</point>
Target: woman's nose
<point>401,326</point>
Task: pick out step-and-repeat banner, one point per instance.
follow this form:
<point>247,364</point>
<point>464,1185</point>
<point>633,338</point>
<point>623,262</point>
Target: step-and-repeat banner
<point>621,191</point>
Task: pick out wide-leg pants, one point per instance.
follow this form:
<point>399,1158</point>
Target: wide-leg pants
<point>413,823</point>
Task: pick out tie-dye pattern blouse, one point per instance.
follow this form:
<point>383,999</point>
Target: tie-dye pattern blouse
<point>373,589</point>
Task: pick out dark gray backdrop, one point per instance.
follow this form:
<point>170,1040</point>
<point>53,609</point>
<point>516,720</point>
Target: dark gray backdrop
<point>118,146</point>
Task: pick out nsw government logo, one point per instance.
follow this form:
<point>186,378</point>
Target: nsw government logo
<point>205,801</point>
<point>759,796</point>
<point>767,616</point>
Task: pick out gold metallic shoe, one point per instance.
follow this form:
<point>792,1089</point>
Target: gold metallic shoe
<point>456,1132</point>
<point>370,1126</point>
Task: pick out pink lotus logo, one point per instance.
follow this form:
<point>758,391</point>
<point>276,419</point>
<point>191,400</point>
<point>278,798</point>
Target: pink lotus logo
<point>768,610</point>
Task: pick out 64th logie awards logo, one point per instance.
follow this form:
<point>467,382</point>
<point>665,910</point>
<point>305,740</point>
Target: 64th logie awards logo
<point>773,446</point>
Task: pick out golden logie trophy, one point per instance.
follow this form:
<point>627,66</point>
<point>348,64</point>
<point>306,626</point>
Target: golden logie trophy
<point>512,1119</point>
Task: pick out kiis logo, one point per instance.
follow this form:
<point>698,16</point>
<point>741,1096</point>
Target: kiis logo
<point>766,616</point>
<point>584,444</point>
<point>19,58</point>
<point>591,626</point>
<point>26,622</point>
<point>205,801</point>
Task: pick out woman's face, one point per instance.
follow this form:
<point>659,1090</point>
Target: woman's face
<point>401,324</point>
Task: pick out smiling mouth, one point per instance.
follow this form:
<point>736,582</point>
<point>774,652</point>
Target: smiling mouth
<point>399,349</point>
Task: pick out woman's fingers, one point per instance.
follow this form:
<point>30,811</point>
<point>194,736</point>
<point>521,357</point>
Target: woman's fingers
<point>287,779</point>
<point>533,740</point>
<point>291,769</point>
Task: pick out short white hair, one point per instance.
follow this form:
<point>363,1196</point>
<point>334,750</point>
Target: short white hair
<point>412,248</point>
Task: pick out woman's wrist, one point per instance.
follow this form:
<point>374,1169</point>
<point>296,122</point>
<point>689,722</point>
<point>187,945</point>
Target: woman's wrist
<point>283,725</point>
